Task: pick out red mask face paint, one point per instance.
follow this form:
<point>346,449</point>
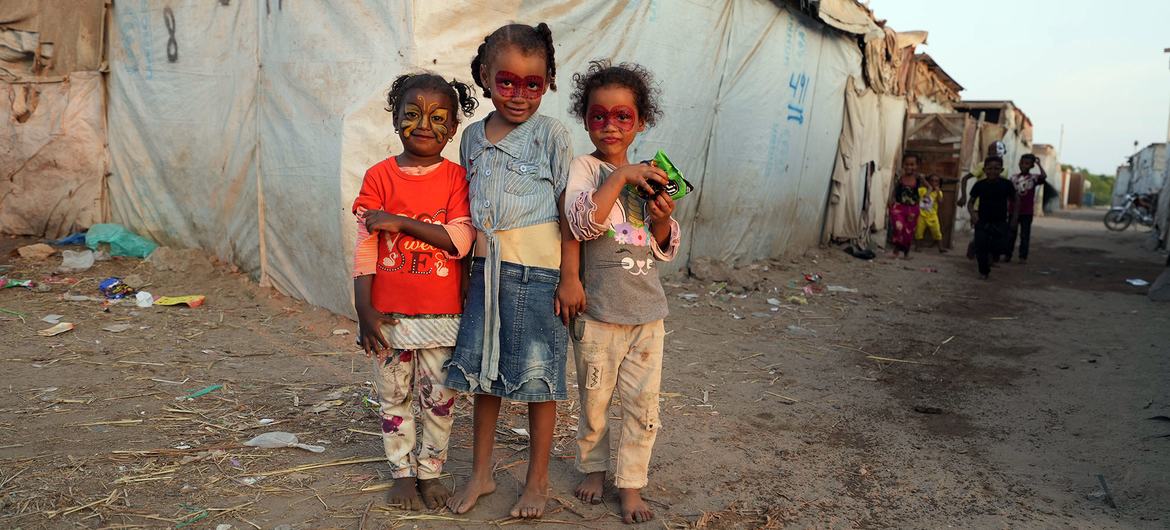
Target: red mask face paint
<point>620,116</point>
<point>510,85</point>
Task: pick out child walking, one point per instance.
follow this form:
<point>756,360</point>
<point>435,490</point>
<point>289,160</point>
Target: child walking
<point>904,206</point>
<point>929,197</point>
<point>525,273</point>
<point>618,341</point>
<point>1026,185</point>
<point>413,226</point>
<point>992,208</point>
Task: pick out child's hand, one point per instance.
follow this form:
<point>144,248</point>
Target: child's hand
<point>570,300</point>
<point>641,175</point>
<point>370,338</point>
<point>380,220</point>
<point>661,207</point>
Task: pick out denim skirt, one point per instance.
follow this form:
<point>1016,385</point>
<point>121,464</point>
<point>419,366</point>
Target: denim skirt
<point>533,341</point>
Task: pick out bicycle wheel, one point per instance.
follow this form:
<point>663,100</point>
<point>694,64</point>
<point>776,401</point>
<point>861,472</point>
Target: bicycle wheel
<point>1117,220</point>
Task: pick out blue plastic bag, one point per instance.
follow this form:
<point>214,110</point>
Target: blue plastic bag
<point>122,242</point>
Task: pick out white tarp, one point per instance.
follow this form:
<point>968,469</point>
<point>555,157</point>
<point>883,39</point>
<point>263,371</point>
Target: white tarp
<point>253,141</point>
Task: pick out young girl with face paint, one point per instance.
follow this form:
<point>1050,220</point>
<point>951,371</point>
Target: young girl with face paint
<point>618,341</point>
<point>525,272</point>
<point>413,226</point>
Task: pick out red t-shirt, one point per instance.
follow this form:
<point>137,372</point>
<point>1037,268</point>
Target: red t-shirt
<point>413,277</point>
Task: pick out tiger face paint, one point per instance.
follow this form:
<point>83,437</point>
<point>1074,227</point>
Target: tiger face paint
<point>426,114</point>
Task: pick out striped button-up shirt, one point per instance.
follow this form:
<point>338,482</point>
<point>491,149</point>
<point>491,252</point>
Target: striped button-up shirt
<point>514,183</point>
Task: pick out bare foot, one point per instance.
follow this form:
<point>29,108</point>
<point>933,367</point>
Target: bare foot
<point>590,488</point>
<point>404,494</point>
<point>532,502</point>
<point>634,509</point>
<point>434,493</point>
<point>464,499</point>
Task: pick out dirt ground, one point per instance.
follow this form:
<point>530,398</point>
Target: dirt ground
<point>925,400</point>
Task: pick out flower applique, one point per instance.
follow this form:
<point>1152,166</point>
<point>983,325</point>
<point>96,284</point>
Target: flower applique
<point>624,233</point>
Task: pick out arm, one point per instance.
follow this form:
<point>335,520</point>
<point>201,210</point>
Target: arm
<point>971,206</point>
<point>570,299</point>
<point>432,234</point>
<point>635,174</point>
<point>1043,174</point>
<point>370,320</point>
<point>963,189</point>
<point>570,294</point>
<point>664,228</point>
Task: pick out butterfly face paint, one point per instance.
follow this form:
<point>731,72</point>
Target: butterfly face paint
<point>426,114</point>
<point>510,85</point>
<point>620,116</point>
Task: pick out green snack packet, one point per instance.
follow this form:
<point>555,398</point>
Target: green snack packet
<point>676,188</point>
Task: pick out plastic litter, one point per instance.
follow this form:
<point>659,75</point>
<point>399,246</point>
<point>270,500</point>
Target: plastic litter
<point>801,332</point>
<point>1137,282</point>
<point>56,330</point>
<point>341,331</point>
<point>841,289</point>
<point>70,297</point>
<point>37,251</point>
<point>202,392</point>
<point>799,300</point>
<point>117,328</point>
<point>812,278</point>
<point>115,289</point>
<point>122,241</point>
<point>774,301</point>
<point>690,297</point>
<point>9,282</point>
<point>143,299</point>
<point>278,439</point>
<point>71,239</point>
<point>74,261</point>
<point>191,300</point>
<point>52,319</point>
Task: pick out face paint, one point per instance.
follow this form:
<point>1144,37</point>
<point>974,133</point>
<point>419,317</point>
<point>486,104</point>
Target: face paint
<point>510,85</point>
<point>427,114</point>
<point>620,116</point>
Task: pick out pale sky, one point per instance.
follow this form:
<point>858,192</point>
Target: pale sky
<point>1096,67</point>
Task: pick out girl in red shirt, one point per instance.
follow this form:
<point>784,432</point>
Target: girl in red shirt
<point>414,223</point>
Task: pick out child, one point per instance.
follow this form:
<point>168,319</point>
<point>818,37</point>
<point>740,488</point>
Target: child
<point>904,205</point>
<point>413,227</point>
<point>929,197</point>
<point>1026,185</point>
<point>511,343</point>
<point>996,199</point>
<point>618,340</point>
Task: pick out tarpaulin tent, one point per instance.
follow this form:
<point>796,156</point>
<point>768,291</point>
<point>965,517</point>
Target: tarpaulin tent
<point>244,127</point>
<point>52,116</point>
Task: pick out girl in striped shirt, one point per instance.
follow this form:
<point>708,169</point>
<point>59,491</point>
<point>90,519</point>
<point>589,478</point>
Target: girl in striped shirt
<point>525,273</point>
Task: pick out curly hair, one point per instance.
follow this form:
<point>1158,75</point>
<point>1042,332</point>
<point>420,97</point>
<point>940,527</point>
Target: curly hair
<point>459,92</point>
<point>602,73</point>
<point>527,38</point>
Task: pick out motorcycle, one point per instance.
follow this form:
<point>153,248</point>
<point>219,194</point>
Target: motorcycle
<point>1135,207</point>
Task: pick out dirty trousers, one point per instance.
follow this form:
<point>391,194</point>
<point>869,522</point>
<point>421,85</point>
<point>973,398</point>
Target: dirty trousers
<point>405,374</point>
<point>628,358</point>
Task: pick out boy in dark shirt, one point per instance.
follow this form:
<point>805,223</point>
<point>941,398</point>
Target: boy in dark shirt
<point>996,213</point>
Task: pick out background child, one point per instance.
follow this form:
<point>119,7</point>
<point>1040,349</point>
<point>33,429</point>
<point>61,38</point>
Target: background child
<point>511,343</point>
<point>1026,185</point>
<point>929,197</point>
<point>618,341</point>
<point>904,206</point>
<point>996,198</point>
<point>413,227</point>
